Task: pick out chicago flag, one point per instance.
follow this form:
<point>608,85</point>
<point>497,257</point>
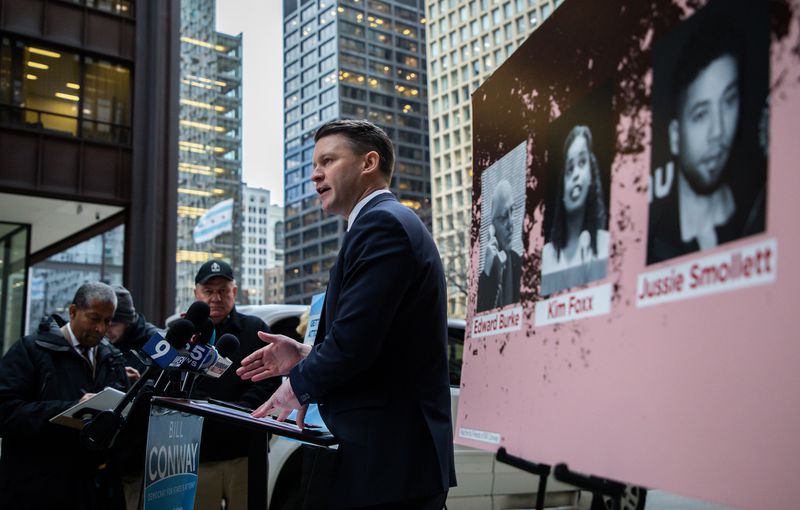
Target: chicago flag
<point>215,221</point>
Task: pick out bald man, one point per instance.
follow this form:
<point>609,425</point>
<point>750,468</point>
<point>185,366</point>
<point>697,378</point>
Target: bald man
<point>498,283</point>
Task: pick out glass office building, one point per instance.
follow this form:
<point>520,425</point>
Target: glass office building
<point>88,154</point>
<point>210,141</point>
<point>348,59</point>
<point>467,41</point>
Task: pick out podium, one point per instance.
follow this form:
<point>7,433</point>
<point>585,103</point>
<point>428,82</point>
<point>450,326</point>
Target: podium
<point>258,429</point>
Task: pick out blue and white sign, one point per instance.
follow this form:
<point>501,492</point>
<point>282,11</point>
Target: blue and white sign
<point>173,454</point>
<point>314,314</point>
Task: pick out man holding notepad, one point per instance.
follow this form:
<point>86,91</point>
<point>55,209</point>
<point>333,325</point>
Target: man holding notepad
<point>42,464</point>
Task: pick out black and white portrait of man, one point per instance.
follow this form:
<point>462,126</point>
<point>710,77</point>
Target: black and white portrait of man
<point>708,183</point>
<point>502,210</point>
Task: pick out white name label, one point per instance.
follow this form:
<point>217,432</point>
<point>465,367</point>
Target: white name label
<point>754,264</point>
<point>496,323</point>
<point>479,435</point>
<point>574,305</point>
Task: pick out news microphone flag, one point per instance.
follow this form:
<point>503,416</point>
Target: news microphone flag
<point>199,358</point>
<point>215,221</point>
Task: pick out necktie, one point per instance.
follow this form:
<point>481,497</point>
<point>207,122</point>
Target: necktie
<point>499,296</point>
<point>85,353</point>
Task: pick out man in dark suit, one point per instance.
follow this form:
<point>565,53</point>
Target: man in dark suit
<point>378,368</point>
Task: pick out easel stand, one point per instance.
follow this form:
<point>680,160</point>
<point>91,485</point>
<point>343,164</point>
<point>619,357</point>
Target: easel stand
<point>542,470</point>
<point>599,487</point>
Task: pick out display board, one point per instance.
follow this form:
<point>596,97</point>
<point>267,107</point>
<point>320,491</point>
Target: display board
<point>633,286</point>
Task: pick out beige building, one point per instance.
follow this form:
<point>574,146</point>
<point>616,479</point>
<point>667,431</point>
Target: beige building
<point>467,41</point>
<point>273,285</point>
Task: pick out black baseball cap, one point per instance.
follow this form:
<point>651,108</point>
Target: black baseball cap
<point>212,269</point>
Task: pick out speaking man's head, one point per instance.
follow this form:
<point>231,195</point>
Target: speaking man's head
<point>502,211</point>
<point>352,158</point>
<point>705,119</point>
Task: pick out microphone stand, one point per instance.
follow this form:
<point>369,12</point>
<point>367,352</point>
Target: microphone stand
<point>100,431</point>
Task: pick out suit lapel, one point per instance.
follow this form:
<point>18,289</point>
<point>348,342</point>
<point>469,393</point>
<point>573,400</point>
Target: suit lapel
<point>336,275</point>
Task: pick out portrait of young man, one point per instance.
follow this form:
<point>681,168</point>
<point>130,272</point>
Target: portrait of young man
<point>708,183</point>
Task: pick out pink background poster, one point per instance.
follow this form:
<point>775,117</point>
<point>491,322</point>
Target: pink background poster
<point>648,349</point>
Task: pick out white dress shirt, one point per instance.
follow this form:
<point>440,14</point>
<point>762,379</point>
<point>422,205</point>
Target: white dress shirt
<point>360,205</point>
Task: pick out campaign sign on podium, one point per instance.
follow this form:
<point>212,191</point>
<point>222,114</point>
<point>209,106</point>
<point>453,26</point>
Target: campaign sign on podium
<point>172,457</point>
<point>314,315</point>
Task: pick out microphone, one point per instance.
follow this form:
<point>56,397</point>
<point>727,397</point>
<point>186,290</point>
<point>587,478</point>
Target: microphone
<point>206,334</point>
<point>163,350</point>
<point>197,313</point>
<point>99,433</point>
<point>227,345</point>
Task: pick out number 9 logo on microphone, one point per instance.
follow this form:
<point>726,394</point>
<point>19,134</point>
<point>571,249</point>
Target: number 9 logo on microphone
<point>159,350</point>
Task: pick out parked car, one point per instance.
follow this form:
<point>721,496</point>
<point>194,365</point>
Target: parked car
<point>483,483</point>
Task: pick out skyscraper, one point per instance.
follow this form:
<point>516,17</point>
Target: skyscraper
<point>209,169</point>
<point>262,232</point>
<point>467,41</point>
<point>349,59</point>
<point>88,154</point>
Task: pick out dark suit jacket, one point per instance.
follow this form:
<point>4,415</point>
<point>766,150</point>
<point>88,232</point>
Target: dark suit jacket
<point>487,284</point>
<point>379,367</point>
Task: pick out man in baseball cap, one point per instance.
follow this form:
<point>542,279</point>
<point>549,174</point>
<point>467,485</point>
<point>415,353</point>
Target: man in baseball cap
<point>215,285</point>
<point>223,454</point>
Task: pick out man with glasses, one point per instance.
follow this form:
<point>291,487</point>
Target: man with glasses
<point>498,283</point>
<point>223,452</point>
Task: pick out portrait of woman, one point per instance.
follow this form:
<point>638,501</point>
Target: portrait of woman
<point>577,249</point>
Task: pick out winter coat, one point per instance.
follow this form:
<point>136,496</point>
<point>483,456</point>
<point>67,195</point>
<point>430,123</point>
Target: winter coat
<point>42,465</point>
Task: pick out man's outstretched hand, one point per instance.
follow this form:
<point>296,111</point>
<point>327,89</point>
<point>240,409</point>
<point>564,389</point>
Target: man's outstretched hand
<point>283,401</point>
<point>278,357</point>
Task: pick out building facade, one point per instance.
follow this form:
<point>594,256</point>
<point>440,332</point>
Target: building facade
<point>348,59</point>
<point>261,244</point>
<point>273,288</point>
<point>88,145</point>
<point>467,41</point>
<point>210,144</point>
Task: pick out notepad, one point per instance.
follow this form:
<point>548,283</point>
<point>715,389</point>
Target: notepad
<point>77,415</point>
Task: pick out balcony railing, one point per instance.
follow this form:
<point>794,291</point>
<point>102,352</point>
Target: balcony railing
<point>49,122</point>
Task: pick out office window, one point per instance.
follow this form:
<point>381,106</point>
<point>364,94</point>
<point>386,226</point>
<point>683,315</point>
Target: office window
<point>106,102</point>
<point>328,31</point>
<point>327,48</point>
<point>351,29</point>
<point>351,45</point>
<point>44,86</point>
<point>292,54</point>
<point>405,14</point>
<point>327,64</point>
<point>308,60</point>
<point>327,96</point>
